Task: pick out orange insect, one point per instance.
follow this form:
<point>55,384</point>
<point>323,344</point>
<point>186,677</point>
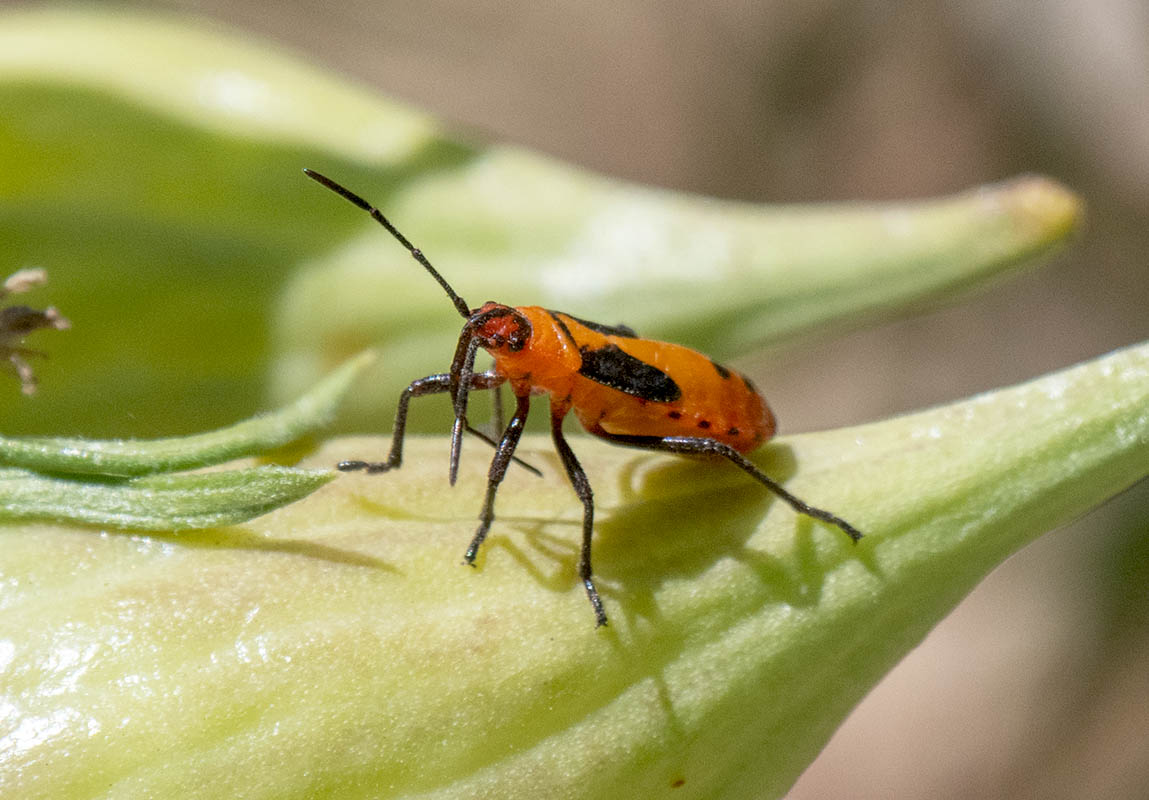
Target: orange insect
<point>625,389</point>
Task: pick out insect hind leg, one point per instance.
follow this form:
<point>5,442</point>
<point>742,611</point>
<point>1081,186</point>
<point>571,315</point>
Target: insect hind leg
<point>582,489</point>
<point>689,445</point>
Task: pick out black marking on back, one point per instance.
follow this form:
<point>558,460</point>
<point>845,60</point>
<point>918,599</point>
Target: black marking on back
<point>563,326</point>
<point>622,331</point>
<point>619,370</point>
<point>721,370</point>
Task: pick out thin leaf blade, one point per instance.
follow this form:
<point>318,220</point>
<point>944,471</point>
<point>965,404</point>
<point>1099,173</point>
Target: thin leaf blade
<point>159,502</point>
<point>133,457</point>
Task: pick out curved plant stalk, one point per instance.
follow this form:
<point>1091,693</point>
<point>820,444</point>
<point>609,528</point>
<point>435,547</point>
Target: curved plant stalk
<point>336,647</point>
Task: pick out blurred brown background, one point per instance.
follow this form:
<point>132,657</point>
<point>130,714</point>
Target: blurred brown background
<point>1038,686</point>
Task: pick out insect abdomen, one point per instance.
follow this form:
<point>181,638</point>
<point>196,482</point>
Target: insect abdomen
<point>708,400</point>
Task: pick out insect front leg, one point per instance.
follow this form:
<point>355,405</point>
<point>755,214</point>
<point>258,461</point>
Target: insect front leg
<point>582,489</point>
<point>497,416</point>
<point>688,445</point>
<point>432,384</point>
<point>498,470</point>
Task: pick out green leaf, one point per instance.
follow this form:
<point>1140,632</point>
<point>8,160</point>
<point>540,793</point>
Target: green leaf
<point>153,167</point>
<point>336,647</point>
<point>259,434</point>
<point>156,502</point>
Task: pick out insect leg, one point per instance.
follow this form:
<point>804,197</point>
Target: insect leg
<point>689,445</point>
<point>497,410</point>
<point>499,463</point>
<point>461,377</point>
<point>432,384</point>
<point>582,489</point>
<point>479,434</point>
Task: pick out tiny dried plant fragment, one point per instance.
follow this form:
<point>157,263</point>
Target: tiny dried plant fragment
<point>16,322</point>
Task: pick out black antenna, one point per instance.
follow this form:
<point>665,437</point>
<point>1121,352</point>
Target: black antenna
<point>377,215</point>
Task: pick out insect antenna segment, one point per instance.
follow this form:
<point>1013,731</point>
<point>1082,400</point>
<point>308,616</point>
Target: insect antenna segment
<point>462,375</point>
<point>460,305</point>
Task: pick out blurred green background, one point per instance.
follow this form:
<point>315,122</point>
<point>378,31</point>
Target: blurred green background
<point>1036,686</point>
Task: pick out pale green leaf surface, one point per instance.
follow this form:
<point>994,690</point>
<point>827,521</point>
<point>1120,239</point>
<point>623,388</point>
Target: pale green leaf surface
<point>253,436</point>
<point>153,166</point>
<point>336,647</point>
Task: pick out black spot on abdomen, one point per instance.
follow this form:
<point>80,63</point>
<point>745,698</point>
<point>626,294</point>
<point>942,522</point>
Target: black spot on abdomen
<point>749,384</point>
<point>723,373</point>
